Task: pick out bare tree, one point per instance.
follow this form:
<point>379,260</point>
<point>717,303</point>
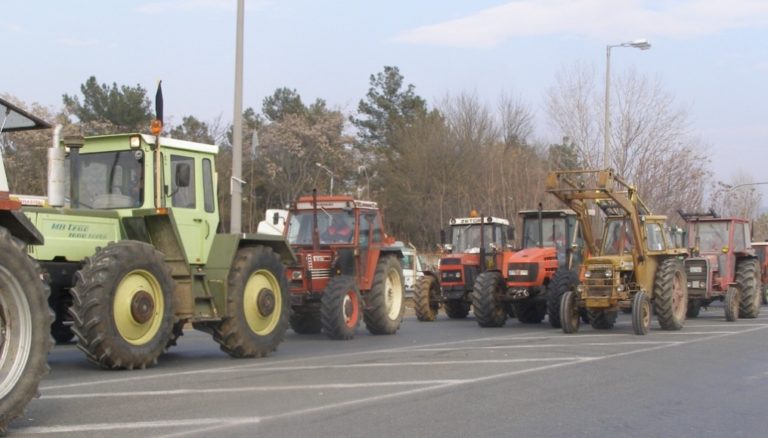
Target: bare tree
<point>651,145</point>
<point>739,197</point>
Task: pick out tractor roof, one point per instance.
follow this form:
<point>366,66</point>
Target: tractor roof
<point>13,118</point>
<point>164,142</point>
<point>476,220</point>
<point>547,213</point>
<point>692,219</point>
<point>334,201</point>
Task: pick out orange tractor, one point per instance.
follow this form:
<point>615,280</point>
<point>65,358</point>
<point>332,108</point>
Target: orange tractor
<point>347,268</point>
<point>550,240</point>
<point>476,244</point>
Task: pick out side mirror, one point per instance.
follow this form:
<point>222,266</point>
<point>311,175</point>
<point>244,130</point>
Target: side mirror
<point>511,233</point>
<point>183,174</point>
<point>442,236</point>
<point>275,218</point>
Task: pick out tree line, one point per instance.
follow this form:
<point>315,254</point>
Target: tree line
<point>424,163</point>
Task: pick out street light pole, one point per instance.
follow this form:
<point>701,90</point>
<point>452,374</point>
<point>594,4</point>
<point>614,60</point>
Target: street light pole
<point>329,173</point>
<point>638,44</point>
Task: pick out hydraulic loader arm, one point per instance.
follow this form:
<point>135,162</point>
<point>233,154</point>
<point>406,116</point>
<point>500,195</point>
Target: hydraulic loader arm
<point>611,193</point>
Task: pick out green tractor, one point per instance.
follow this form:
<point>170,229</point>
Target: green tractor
<point>133,255</point>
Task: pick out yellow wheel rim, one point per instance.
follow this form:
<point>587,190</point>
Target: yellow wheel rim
<point>262,302</point>
<point>138,307</point>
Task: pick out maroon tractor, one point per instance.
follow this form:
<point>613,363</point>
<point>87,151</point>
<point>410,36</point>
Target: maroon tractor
<point>723,265</point>
<point>347,269</point>
<point>472,240</point>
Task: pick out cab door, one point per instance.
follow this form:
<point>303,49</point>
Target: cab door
<point>190,196</point>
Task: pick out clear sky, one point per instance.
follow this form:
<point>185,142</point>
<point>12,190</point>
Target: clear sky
<point>712,55</point>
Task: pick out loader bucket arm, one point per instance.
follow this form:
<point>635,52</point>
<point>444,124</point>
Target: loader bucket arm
<point>611,193</point>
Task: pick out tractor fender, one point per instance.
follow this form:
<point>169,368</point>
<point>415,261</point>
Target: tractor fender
<point>20,227</point>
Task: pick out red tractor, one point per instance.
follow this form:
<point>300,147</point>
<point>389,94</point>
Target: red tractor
<point>347,268</point>
<point>551,240</point>
<point>472,239</point>
<point>723,266</point>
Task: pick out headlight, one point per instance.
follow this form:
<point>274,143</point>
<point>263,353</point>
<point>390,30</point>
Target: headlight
<point>588,274</point>
<point>620,288</point>
<point>608,273</point>
<point>521,272</point>
<point>296,275</point>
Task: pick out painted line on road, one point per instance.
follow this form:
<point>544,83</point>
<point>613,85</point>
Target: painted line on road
<point>373,399</point>
<point>514,347</point>
<point>420,391</point>
<point>198,391</point>
<point>149,374</point>
<point>233,421</point>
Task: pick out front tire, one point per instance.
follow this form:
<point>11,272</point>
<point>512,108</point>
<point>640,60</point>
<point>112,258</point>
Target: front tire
<point>748,277</point>
<point>340,308</point>
<point>25,323</point>
<point>123,306</point>
<point>641,313</point>
<point>694,308</point>
<point>563,281</point>
<point>489,312</point>
<point>731,304</point>
<point>670,294</point>
<point>425,298</point>
<point>570,317</point>
<point>384,311</point>
<point>257,304</point>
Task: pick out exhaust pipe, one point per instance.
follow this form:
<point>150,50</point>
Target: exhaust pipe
<point>56,171</point>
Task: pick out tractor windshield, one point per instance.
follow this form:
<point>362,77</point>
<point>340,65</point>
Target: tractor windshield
<point>618,237</point>
<point>111,180</point>
<point>332,226</point>
<point>554,232</point>
<point>713,236</point>
<point>466,238</point>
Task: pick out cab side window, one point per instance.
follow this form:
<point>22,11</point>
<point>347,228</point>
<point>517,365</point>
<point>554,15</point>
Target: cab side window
<point>183,182</point>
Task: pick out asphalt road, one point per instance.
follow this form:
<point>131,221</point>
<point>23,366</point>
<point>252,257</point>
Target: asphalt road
<point>448,378</point>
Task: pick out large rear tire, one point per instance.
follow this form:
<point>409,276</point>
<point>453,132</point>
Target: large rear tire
<point>570,317</point>
<point>748,277</point>
<point>384,308</point>
<point>457,308</point>
<point>425,298</point>
<point>489,312</point>
<point>340,308</point>
<point>641,313</point>
<point>123,306</point>
<point>257,304</point>
<point>25,323</point>
<point>563,281</point>
<point>670,294</point>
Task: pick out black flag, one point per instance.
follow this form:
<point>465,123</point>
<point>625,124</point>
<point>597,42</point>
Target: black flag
<point>159,102</point>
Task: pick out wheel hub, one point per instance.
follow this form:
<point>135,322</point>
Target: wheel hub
<point>265,302</point>
<point>142,306</point>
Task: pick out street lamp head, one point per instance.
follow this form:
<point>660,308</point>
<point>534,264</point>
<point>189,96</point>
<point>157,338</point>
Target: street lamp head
<point>641,44</point>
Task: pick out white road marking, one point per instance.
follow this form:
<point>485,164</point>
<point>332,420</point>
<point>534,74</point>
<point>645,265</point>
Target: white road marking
<point>198,391</point>
<point>196,422</point>
<point>219,424</point>
<point>514,347</point>
<point>256,364</point>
